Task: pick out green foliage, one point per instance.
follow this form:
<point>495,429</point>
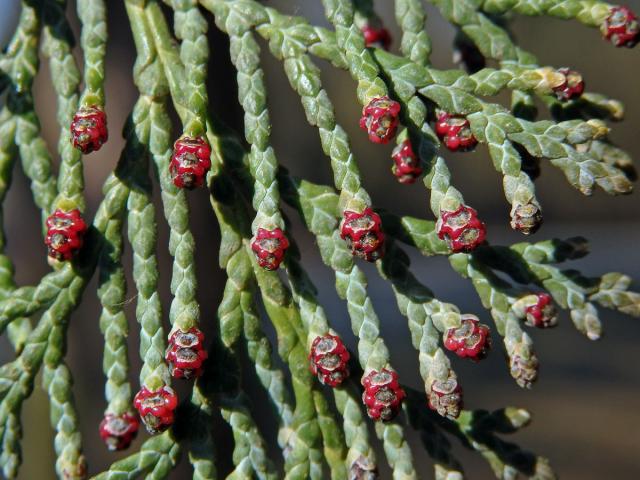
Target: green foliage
<point>319,436</point>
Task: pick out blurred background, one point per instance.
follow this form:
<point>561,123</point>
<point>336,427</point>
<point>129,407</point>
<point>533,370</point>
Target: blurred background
<point>585,406</point>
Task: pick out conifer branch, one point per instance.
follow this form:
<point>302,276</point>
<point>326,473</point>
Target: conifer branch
<point>321,430</point>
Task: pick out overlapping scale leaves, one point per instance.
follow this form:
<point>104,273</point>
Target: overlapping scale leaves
<point>327,385</point>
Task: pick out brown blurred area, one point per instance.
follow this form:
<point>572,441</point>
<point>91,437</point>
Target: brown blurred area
<point>585,406</point>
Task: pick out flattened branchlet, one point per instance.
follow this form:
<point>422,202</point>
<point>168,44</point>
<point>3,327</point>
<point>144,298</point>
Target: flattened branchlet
<point>329,384</point>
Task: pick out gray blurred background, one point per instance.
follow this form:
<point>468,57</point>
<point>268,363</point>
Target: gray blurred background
<point>585,405</point>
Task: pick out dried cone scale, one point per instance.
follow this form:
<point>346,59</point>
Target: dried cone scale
<point>445,397</point>
<point>526,218</point>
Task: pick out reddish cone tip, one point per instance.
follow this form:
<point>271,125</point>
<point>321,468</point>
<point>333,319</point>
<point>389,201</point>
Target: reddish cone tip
<point>89,129</point>
<point>382,395</point>
<point>572,87</point>
<point>190,162</point>
<point>621,27</point>
<point>455,132</point>
<point>543,313</point>
<point>185,353</point>
<point>363,234</point>
<point>269,247</point>
<point>526,218</point>
<point>328,360</point>
<point>380,119</point>
<point>65,233</point>
<point>461,230</point>
<point>376,37</point>
<point>75,470</point>
<point>445,397</point>
<point>118,431</point>
<point>470,340</point>
<point>156,408</point>
<point>363,468</point>
<point>406,165</point>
